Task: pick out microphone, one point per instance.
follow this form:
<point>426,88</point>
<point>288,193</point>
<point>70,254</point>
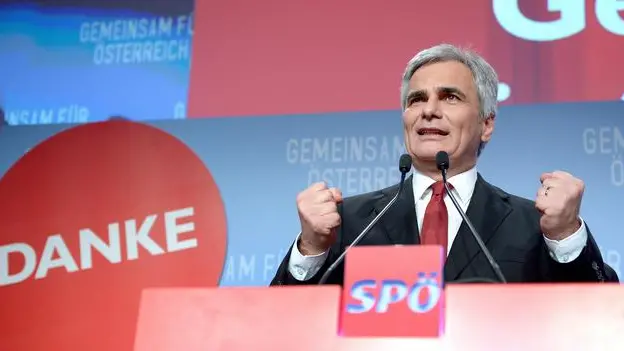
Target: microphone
<point>443,163</point>
<point>405,165</point>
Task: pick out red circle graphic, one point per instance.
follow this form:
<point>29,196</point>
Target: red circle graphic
<point>92,216</point>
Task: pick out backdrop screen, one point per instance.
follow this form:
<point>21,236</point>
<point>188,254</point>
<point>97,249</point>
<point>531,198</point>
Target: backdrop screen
<point>280,94</point>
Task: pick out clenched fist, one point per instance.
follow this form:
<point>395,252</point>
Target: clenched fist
<point>318,213</point>
<point>559,201</point>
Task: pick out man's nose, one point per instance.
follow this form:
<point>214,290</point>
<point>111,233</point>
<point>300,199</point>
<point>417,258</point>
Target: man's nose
<point>432,109</point>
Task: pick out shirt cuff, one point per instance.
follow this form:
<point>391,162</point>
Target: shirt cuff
<point>303,267</point>
<point>570,248</point>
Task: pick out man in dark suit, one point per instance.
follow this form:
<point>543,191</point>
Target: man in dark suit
<point>449,104</point>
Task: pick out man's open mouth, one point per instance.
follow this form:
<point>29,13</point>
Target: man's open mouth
<point>432,131</point>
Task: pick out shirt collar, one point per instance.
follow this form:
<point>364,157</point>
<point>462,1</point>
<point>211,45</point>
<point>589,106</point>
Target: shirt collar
<point>463,185</point>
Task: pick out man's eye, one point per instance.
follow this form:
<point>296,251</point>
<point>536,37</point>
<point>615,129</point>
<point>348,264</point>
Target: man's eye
<point>415,100</point>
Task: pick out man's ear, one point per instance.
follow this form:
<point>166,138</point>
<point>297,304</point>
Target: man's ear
<point>488,128</point>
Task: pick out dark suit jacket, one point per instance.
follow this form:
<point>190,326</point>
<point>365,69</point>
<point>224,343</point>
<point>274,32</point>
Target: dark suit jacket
<point>509,226</point>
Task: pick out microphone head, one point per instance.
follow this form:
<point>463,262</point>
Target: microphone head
<point>442,160</point>
<point>405,163</point>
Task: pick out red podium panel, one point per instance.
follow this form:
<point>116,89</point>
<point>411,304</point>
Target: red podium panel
<point>478,317</point>
<point>242,319</point>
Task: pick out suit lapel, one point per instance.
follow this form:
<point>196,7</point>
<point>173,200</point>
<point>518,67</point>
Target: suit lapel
<point>487,210</point>
<point>399,222</point>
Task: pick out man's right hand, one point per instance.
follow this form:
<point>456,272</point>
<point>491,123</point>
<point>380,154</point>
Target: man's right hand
<point>318,213</point>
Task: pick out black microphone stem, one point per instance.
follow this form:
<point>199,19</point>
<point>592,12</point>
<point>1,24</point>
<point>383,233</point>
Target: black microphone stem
<point>486,252</point>
<point>364,232</point>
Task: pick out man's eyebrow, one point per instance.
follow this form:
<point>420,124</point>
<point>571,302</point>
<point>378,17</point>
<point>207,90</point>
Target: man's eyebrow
<point>421,94</point>
<point>415,94</point>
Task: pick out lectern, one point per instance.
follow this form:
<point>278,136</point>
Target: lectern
<point>301,318</point>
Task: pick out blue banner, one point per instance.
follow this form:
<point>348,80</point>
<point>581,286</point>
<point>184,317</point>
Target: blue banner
<point>260,164</point>
<point>75,62</point>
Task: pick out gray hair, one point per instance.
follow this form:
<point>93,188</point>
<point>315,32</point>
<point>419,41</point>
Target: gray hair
<point>485,77</point>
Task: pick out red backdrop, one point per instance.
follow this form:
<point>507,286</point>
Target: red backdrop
<point>282,56</point>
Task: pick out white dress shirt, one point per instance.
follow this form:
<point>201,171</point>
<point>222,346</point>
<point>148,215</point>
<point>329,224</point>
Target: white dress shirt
<point>305,267</point>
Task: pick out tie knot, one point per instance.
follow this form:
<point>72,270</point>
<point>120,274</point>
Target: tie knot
<point>438,188</point>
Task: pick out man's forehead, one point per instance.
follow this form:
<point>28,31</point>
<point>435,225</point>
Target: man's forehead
<point>441,87</point>
<point>442,74</point>
<point>439,83</point>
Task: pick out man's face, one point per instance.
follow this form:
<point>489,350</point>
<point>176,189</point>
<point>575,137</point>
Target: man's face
<point>442,114</point>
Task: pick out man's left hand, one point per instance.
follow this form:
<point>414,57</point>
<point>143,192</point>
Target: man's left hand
<point>559,201</point>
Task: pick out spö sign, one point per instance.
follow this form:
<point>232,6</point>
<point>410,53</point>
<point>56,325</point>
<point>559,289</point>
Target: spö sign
<point>393,291</point>
<point>419,297</point>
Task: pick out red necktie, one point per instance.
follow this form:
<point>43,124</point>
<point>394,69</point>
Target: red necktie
<point>435,223</point>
